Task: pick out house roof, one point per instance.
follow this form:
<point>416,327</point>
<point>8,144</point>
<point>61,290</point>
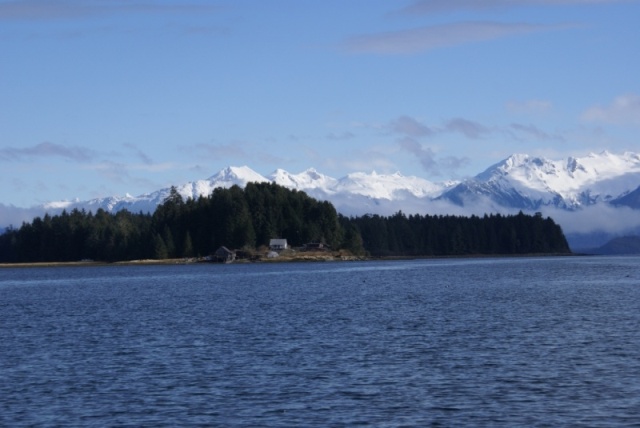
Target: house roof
<point>224,249</point>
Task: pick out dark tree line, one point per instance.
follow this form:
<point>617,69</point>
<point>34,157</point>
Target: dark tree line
<point>232,217</point>
<point>250,217</point>
<point>417,235</point>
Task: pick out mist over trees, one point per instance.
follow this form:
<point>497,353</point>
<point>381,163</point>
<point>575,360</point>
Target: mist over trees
<point>248,218</point>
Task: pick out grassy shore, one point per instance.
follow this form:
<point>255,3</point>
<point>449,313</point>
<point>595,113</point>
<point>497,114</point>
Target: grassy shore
<point>286,256</point>
<point>99,263</point>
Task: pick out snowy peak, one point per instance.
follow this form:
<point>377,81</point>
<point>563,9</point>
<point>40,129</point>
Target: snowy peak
<point>570,183</point>
<point>518,182</point>
<point>309,179</point>
<point>519,160</point>
<point>225,178</point>
<point>371,185</point>
<point>607,165</point>
<point>238,175</point>
<point>381,186</point>
<point>567,174</point>
<point>520,167</point>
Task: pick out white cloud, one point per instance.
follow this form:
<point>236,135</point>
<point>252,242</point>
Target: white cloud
<point>438,36</point>
<point>597,218</point>
<point>14,216</point>
<point>623,110</point>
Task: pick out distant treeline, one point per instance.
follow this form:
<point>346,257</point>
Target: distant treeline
<point>248,218</point>
<point>417,235</point>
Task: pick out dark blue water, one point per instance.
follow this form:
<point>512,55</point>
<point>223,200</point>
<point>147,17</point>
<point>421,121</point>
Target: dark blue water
<point>483,342</point>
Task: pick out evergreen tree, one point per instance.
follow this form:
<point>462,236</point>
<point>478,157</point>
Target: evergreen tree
<point>187,247</point>
<point>167,238</point>
<point>160,248</point>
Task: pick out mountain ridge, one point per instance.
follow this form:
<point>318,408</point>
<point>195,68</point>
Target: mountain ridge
<point>519,181</point>
<point>526,182</point>
<point>606,181</point>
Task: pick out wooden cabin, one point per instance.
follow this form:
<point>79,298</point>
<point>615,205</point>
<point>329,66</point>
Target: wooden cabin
<point>224,255</point>
<point>316,246</point>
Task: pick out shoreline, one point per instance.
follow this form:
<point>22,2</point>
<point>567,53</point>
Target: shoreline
<point>310,258</point>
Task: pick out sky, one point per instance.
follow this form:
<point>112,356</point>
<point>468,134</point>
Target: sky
<point>108,97</point>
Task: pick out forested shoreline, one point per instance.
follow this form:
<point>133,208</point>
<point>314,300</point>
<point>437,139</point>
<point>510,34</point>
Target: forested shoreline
<point>246,219</point>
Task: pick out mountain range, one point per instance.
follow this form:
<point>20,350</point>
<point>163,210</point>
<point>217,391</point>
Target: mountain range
<point>594,198</point>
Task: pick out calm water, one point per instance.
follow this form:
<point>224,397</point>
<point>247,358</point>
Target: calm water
<point>490,342</point>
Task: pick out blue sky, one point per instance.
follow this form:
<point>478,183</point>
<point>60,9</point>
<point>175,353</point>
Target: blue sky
<point>107,97</point>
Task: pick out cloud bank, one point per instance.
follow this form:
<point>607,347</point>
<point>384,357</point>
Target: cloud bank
<point>14,216</point>
<point>601,218</point>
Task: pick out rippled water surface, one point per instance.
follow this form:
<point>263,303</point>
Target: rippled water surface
<point>479,342</point>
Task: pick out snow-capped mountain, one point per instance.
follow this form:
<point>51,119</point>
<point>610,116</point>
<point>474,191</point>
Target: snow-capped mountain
<point>597,193</point>
<point>518,182</point>
<point>357,189</point>
<point>234,175</point>
<point>149,201</point>
<point>530,183</point>
<point>306,180</point>
<point>390,187</point>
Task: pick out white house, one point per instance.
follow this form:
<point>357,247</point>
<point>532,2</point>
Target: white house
<point>278,244</point>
